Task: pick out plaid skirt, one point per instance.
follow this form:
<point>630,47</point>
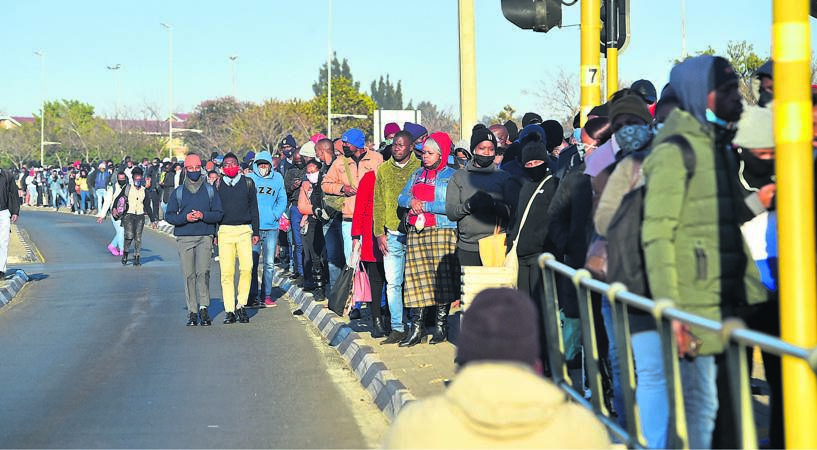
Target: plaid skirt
<point>432,269</point>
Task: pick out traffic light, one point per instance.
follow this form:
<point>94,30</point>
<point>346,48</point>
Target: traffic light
<point>615,24</point>
<point>536,15</point>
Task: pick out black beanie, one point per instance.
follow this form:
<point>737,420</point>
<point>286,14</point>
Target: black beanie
<point>529,118</point>
<point>500,325</point>
<point>631,103</point>
<point>721,72</point>
<point>481,134</point>
<point>534,150</point>
<point>513,130</point>
<point>554,132</point>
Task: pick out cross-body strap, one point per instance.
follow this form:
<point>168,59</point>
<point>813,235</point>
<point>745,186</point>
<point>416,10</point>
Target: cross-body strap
<point>530,202</point>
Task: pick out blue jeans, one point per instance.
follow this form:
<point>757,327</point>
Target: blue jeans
<point>347,241</point>
<point>333,237</point>
<point>612,355</point>
<point>99,197</point>
<point>118,240</point>
<point>700,399</point>
<point>651,392</point>
<point>394,266</point>
<point>83,198</point>
<point>263,254</point>
<point>295,240</point>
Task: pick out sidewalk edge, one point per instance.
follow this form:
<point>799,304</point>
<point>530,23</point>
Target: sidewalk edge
<point>10,290</point>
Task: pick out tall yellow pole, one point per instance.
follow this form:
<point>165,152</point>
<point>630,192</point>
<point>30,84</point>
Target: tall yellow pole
<point>468,69</point>
<point>591,57</point>
<point>612,71</point>
<point>795,205</point>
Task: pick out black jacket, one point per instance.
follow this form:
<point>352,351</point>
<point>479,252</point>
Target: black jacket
<point>8,193</point>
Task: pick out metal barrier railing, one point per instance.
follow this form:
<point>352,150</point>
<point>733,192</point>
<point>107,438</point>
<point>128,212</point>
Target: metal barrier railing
<point>734,334</point>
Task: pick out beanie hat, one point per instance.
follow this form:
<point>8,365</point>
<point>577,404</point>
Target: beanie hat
<point>531,130</point>
<point>249,156</point>
<point>308,149</point>
<point>513,130</point>
<point>529,118</point>
<point>391,128</point>
<point>480,135</point>
<point>554,132</point>
<point>631,103</point>
<point>721,72</point>
<point>288,140</point>
<point>755,128</point>
<point>317,137</point>
<point>534,150</point>
<point>355,137</point>
<point>416,130</point>
<point>646,89</point>
<point>500,325</point>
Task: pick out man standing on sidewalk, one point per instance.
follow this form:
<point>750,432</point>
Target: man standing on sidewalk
<point>237,233</point>
<point>194,210</point>
<point>272,202</point>
<point>391,178</point>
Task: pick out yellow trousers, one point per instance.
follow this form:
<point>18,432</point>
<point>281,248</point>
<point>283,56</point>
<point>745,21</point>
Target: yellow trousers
<point>235,241</point>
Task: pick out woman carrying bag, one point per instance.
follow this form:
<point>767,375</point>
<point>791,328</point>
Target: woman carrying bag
<point>432,275</point>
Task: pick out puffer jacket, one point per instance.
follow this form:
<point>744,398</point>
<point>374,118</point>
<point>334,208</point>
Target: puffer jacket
<point>336,177</point>
<point>694,251</point>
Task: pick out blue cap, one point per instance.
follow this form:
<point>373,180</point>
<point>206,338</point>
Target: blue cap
<point>354,137</point>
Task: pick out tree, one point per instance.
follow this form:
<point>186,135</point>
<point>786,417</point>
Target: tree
<point>508,113</point>
<point>435,119</point>
<point>741,55</point>
<point>386,95</point>
<point>19,145</point>
<point>214,118</point>
<point>339,70</point>
<point>346,99</point>
<point>559,96</point>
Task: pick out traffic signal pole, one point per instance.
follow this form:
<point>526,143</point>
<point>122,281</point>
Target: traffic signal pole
<point>468,69</point>
<point>611,50</point>
<point>612,71</point>
<point>791,53</point>
<point>590,57</point>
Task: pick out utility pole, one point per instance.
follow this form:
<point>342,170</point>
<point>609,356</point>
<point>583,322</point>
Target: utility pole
<point>590,57</point>
<point>232,60</point>
<point>115,69</point>
<point>329,76</point>
<point>169,88</point>
<point>468,68</point>
<point>41,54</point>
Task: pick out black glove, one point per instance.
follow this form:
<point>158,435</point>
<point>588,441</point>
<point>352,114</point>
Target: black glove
<point>480,201</point>
<point>502,210</point>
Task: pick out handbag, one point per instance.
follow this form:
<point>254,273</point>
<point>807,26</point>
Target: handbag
<point>361,289</point>
<point>596,261</point>
<point>284,223</point>
<point>340,299</point>
<point>511,259</point>
<point>492,249</point>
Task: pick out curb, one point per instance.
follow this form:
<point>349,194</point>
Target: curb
<point>388,393</point>
<point>12,287</point>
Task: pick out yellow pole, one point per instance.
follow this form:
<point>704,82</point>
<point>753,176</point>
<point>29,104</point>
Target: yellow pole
<point>591,57</point>
<point>468,69</point>
<point>612,71</point>
<point>795,205</point>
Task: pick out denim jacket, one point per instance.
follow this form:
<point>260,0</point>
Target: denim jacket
<point>438,205</point>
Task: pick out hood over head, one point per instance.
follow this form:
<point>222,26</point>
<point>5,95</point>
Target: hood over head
<point>693,80</point>
<point>262,156</point>
<point>444,141</point>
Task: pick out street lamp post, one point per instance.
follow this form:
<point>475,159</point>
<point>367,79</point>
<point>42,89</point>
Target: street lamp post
<point>115,69</point>
<point>169,88</point>
<point>329,76</point>
<point>232,63</point>
<point>42,108</point>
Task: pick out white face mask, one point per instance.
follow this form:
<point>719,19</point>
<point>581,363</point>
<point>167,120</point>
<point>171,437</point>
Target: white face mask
<point>312,177</point>
<point>263,171</point>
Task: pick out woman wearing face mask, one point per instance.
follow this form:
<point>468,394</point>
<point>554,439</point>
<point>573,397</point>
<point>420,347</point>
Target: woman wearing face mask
<point>480,197</point>
<point>134,220</point>
<point>432,269</point>
<point>117,244</point>
<point>82,184</point>
<point>309,205</point>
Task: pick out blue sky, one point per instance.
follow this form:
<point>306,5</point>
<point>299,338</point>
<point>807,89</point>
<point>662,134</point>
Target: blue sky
<point>281,45</point>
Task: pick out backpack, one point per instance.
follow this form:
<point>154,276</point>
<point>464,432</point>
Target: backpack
<point>178,194</point>
<point>120,204</point>
<point>625,254</point>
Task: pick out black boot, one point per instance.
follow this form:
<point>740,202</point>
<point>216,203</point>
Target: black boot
<point>416,330</point>
<point>441,327</point>
<point>124,258</point>
<point>136,261</point>
<point>378,329</point>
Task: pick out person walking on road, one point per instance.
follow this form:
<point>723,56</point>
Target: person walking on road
<point>194,210</point>
<point>9,211</point>
<point>134,220</point>
<point>237,233</point>
<point>117,245</point>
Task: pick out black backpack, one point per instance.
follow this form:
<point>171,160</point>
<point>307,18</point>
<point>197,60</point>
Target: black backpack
<point>625,254</point>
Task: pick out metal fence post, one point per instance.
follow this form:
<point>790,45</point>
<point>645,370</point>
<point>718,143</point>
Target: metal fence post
<point>553,329</point>
<point>677,430</point>
<point>591,353</point>
<point>740,393</point>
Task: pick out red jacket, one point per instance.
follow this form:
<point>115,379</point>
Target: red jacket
<point>363,219</point>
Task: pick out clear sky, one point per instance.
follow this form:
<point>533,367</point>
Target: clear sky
<point>281,44</point>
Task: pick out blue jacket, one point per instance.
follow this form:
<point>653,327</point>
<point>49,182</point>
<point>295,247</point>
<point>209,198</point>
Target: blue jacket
<point>438,206</point>
<point>272,197</point>
<point>176,214</point>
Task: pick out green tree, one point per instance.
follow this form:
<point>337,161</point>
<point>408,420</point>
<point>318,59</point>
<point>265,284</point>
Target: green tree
<point>386,94</point>
<point>340,69</point>
<point>508,113</point>
<point>19,145</point>
<point>214,118</point>
<point>346,99</point>
<point>436,119</point>
<point>73,125</point>
<point>743,58</point>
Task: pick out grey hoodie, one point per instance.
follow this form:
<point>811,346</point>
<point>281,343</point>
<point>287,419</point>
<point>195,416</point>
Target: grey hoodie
<point>692,80</point>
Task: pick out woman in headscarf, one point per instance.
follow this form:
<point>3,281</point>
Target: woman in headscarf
<point>432,276</point>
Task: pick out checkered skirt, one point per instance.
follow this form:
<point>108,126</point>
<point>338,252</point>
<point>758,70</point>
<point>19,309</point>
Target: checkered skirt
<point>432,269</point>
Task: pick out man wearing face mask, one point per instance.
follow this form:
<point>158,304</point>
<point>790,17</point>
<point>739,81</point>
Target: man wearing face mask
<point>194,210</point>
<point>272,201</point>
<point>285,150</point>
<point>419,133</point>
<point>694,252</point>
<point>765,93</point>
<point>292,182</point>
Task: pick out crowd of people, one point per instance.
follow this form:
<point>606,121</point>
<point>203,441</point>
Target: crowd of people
<point>412,212</point>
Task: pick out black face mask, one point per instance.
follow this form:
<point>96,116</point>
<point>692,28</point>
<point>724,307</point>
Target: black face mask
<point>347,151</point>
<point>299,164</point>
<point>537,173</point>
<point>757,172</point>
<point>764,98</point>
<point>483,161</point>
<point>122,182</point>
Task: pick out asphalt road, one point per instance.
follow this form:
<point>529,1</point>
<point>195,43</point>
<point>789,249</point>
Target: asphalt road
<point>96,355</point>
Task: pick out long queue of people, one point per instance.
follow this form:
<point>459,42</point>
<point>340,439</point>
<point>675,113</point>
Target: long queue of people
<point>413,212</point>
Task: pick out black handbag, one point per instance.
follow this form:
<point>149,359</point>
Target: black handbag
<point>341,294</point>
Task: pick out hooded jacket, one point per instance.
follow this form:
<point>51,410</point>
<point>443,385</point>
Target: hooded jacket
<point>497,405</point>
<point>694,252</point>
<point>272,198</point>
<point>441,182</point>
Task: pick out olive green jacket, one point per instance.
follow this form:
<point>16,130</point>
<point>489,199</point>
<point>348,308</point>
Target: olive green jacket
<point>693,247</point>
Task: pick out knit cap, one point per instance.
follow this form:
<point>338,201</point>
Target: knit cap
<point>480,135</point>
<point>755,129</point>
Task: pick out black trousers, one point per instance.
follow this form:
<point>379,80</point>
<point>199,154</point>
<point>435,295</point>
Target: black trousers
<point>133,225</point>
<point>313,242</point>
<point>377,281</point>
<point>468,258</point>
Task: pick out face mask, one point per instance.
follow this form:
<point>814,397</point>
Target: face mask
<point>347,151</point>
<point>632,138</point>
<point>389,141</point>
<point>122,182</point>
<point>299,164</point>
<point>194,176</point>
<point>461,162</point>
<point>312,177</point>
<point>137,182</point>
<point>764,98</point>
<point>757,172</point>
<point>263,171</point>
<point>483,161</point>
<point>231,171</point>
<point>288,154</point>
<point>537,173</point>
<point>712,118</point>
<point>418,146</point>
<point>577,134</point>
